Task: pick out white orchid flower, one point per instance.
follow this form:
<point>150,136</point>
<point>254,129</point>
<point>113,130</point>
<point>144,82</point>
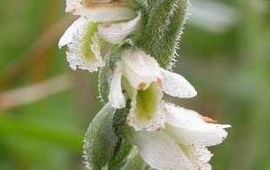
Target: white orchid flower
<point>88,40</point>
<point>181,145</point>
<point>146,84</point>
<point>83,46</point>
<point>101,10</point>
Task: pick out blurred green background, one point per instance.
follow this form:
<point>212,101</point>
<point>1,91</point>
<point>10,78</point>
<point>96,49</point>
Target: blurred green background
<point>45,107</point>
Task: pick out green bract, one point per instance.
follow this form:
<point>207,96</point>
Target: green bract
<point>104,79</point>
<point>100,139</point>
<point>162,32</point>
<point>106,72</point>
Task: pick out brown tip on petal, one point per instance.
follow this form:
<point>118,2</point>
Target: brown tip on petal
<point>106,25</point>
<point>209,120</point>
<point>160,82</point>
<point>128,121</point>
<point>142,86</point>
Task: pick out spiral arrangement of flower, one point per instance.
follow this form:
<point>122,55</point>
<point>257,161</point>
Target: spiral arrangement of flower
<point>133,44</point>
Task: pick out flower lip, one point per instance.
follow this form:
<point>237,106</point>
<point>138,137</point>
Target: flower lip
<point>182,143</point>
<point>146,109</point>
<point>81,38</point>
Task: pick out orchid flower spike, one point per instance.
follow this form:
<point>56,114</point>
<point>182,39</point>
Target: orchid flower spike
<point>90,37</point>
<point>112,33</point>
<point>182,144</point>
<point>145,81</point>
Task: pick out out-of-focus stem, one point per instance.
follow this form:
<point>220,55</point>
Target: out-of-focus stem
<point>27,95</point>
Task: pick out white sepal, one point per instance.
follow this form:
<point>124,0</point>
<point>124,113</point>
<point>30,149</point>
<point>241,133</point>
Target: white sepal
<point>189,127</point>
<point>100,11</point>
<point>108,14</point>
<point>160,151</point>
<point>176,85</point>
<point>116,97</point>
<point>73,29</point>
<point>203,156</point>
<point>116,33</point>
<point>140,69</point>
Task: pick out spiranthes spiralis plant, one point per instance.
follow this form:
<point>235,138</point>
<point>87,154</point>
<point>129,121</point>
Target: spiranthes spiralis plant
<point>133,43</point>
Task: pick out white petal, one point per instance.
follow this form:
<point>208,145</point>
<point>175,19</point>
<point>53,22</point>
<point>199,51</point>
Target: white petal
<point>203,156</point>
<point>176,85</point>
<point>109,14</point>
<point>188,127</point>
<point>116,97</point>
<point>198,155</point>
<point>115,33</point>
<point>68,35</point>
<point>102,12</point>
<point>160,151</point>
<point>140,69</point>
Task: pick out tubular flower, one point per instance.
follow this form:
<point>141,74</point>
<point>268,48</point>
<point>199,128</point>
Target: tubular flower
<point>144,81</point>
<point>90,37</point>
<point>181,145</point>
